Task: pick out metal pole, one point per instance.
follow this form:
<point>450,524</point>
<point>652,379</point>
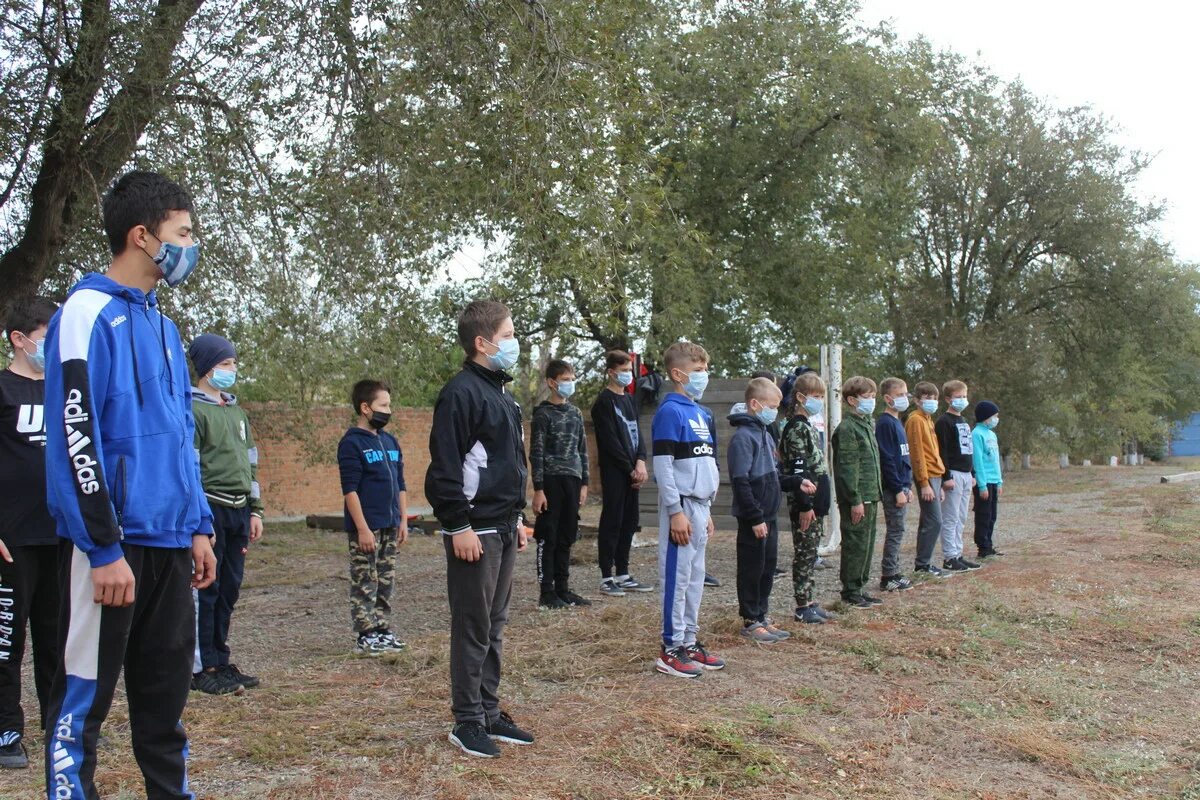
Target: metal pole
<point>833,416</point>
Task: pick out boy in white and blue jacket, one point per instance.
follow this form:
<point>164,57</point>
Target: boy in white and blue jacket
<point>989,480</point>
<point>685,468</point>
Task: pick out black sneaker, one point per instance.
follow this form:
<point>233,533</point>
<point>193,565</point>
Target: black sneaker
<point>610,587</point>
<point>952,566</point>
<point>711,580</point>
<point>249,681</point>
<point>503,729</point>
<point>856,601</point>
<point>989,554</point>
<point>572,599</point>
<point>971,565</point>
<point>875,601</point>
<point>12,751</point>
<point>472,738</point>
<point>932,571</point>
<point>895,583</point>
<point>216,681</point>
<point>629,584</point>
<point>780,572</point>
<point>550,600</point>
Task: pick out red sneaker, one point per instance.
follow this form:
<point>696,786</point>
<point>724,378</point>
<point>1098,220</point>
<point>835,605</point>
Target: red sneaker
<point>676,662</point>
<point>705,659</point>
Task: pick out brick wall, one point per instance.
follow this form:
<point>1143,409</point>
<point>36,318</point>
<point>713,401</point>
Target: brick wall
<point>298,456</point>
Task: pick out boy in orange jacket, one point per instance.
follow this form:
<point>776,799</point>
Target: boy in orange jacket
<point>927,474</point>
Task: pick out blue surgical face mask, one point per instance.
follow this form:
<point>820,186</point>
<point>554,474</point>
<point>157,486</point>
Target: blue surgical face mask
<point>223,378</point>
<point>506,357</point>
<point>992,421</point>
<point>866,406</point>
<point>565,389</point>
<point>929,406</point>
<point>37,359</point>
<point>959,403</point>
<point>624,378</point>
<point>176,262</point>
<point>696,384</point>
<point>900,403</point>
<point>814,405</point>
<point>767,415</point>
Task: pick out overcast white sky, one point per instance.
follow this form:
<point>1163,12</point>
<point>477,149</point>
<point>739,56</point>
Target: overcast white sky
<point>1135,62</point>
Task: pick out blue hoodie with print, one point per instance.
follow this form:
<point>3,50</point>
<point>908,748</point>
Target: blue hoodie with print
<point>121,464</point>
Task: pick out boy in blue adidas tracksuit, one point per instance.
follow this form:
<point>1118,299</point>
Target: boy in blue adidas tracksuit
<point>989,478</point>
<point>123,486</point>
<point>685,468</point>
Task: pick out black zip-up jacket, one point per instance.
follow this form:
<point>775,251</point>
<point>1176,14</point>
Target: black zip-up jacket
<point>477,468</point>
<point>615,422</point>
<point>954,441</point>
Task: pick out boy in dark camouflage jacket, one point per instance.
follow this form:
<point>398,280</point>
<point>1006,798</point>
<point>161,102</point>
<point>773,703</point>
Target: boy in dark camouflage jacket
<point>800,453</point>
<point>558,459</point>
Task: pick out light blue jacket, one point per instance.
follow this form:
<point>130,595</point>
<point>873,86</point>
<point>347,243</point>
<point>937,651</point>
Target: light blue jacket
<point>986,458</point>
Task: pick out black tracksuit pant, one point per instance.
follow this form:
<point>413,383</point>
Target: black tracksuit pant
<point>153,641</point>
<point>985,517</point>
<point>479,593</point>
<point>756,559</point>
<point>28,594</point>
<point>556,530</point>
<point>619,515</point>
<point>231,528</point>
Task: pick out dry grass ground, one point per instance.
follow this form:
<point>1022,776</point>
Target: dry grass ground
<point>1066,669</point>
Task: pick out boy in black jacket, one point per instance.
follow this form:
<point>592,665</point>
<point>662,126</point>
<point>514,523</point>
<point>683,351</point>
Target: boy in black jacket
<point>956,447</point>
<point>559,460</point>
<point>476,485</point>
<point>622,472</point>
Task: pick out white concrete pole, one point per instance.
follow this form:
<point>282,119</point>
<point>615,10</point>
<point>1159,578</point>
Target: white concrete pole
<point>833,416</point>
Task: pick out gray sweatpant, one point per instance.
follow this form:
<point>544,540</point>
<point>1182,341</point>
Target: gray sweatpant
<point>681,574</point>
<point>929,528</point>
<point>893,516</point>
<point>479,593</point>
<point>954,514</point>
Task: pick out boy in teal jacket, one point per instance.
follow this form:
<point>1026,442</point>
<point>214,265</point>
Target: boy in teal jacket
<point>989,482</point>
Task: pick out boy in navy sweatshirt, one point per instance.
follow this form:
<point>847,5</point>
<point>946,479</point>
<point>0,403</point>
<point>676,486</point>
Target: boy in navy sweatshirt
<point>896,473</point>
<point>371,467</point>
<point>476,485</point>
<point>754,472</point>
<point>685,468</point>
<point>123,486</point>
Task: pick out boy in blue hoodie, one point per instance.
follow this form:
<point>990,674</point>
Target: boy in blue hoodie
<point>685,468</point>
<point>989,478</point>
<point>371,467</point>
<point>123,486</point>
<point>754,473</point>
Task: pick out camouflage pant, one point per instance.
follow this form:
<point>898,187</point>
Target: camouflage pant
<point>371,578</point>
<point>804,557</point>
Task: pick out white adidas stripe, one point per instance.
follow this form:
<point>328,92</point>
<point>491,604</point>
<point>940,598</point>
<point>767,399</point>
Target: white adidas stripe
<point>76,321</point>
<point>83,635</point>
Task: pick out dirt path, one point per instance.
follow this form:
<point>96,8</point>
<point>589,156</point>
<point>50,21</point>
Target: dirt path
<point>1066,669</point>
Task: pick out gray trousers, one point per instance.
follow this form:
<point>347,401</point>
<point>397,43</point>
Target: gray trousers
<point>954,514</point>
<point>479,592</point>
<point>893,516</point>
<point>929,528</point>
<point>681,574</point>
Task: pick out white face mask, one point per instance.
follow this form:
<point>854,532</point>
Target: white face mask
<point>900,403</point>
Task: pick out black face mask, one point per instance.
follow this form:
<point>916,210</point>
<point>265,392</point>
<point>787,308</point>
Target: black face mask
<point>379,420</point>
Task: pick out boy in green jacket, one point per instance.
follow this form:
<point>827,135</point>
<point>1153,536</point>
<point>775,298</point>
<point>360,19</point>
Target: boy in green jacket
<point>856,479</point>
<point>229,475</point>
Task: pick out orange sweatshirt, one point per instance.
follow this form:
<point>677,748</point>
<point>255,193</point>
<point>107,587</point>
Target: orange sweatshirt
<point>923,448</point>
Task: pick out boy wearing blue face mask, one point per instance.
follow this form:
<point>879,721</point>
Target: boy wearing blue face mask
<point>685,468</point>
<point>29,588</point>
<point>927,470</point>
<point>476,485</point>
<point>754,473</point>
<point>856,480</point>
<point>956,448</point>
<point>989,478</point>
<point>558,461</point>
<point>229,475</point>
<point>622,457</point>
<point>896,476</point>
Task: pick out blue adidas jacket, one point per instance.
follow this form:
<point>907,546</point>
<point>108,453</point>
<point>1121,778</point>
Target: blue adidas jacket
<point>685,452</point>
<point>120,458</point>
